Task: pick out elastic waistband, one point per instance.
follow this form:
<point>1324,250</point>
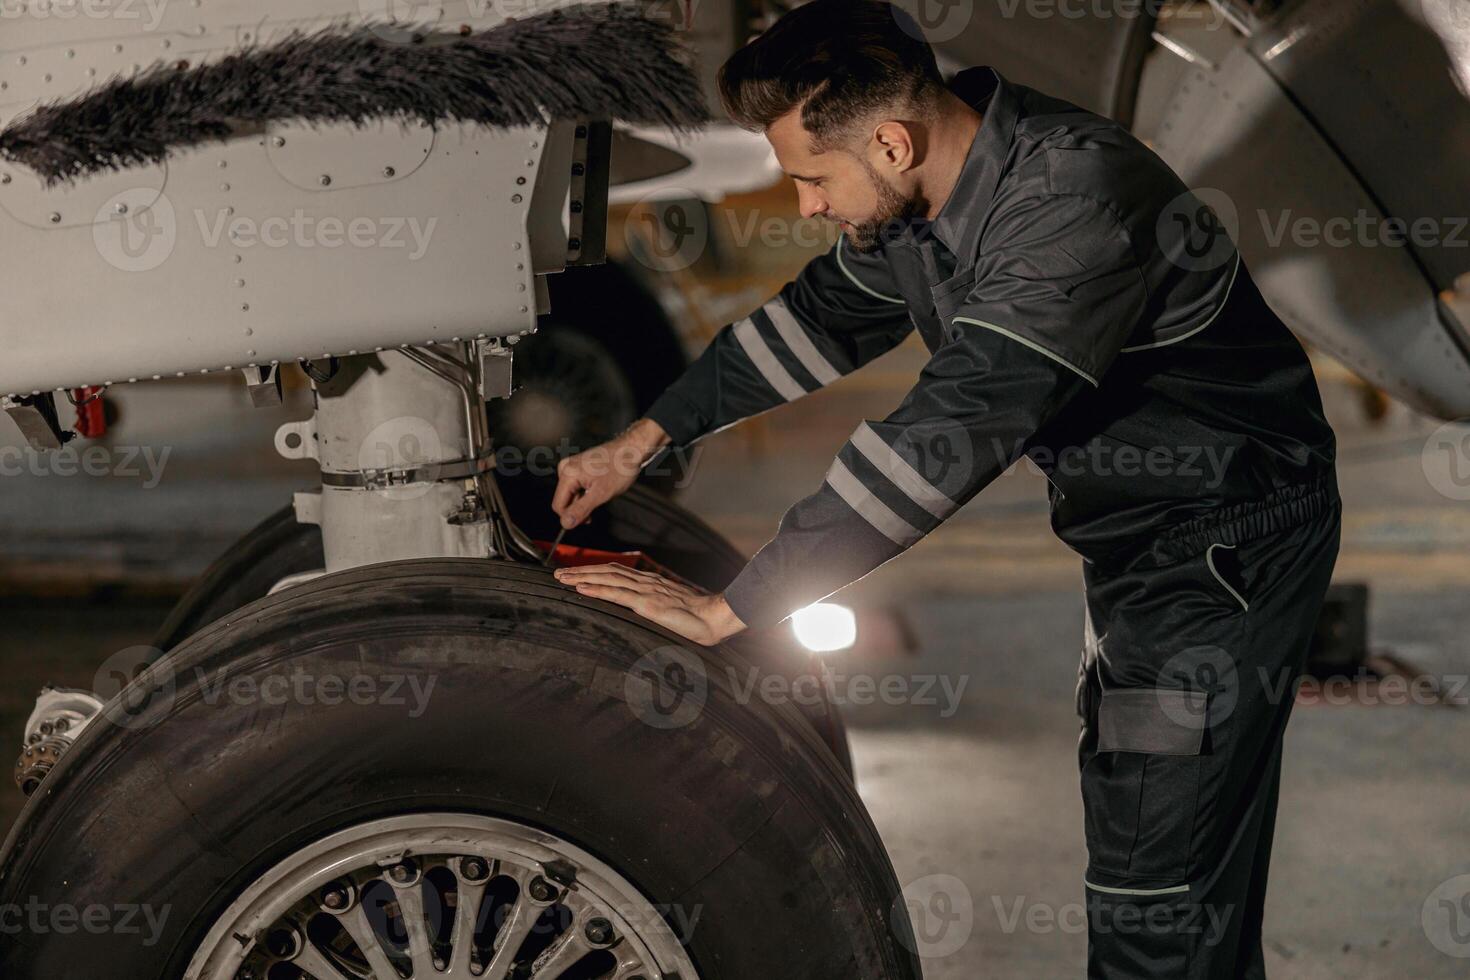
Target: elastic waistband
<point>1236,524</point>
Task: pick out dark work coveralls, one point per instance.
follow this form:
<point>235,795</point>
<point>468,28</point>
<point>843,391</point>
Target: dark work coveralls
<point>1083,308</point>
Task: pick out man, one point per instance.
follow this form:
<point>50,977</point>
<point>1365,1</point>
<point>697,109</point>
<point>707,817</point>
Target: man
<point>1082,308</point>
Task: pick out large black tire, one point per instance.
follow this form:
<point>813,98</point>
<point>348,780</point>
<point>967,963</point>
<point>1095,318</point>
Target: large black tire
<point>178,805</point>
<point>641,519</point>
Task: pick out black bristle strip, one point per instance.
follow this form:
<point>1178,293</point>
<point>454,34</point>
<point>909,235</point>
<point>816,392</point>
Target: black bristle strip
<point>595,60</point>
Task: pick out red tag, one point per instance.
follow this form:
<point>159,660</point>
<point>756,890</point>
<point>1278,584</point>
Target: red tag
<point>91,420</point>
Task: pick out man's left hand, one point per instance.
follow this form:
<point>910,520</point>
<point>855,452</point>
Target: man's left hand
<point>703,619</point>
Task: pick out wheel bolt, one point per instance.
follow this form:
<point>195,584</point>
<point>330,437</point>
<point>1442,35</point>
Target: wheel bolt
<point>474,869</point>
<point>403,872</point>
<point>541,890</point>
<point>599,931</point>
<point>335,898</point>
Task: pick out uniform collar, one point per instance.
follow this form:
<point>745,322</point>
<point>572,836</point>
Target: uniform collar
<point>957,225</point>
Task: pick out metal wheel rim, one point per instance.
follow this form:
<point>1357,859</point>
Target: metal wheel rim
<point>246,935</point>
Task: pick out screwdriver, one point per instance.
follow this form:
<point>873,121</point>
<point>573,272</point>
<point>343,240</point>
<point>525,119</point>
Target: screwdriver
<point>554,545</point>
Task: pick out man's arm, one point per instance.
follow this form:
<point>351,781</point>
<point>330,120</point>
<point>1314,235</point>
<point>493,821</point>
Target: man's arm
<point>840,312</point>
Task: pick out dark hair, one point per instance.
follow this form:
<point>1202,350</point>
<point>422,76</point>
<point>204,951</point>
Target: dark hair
<point>840,61</point>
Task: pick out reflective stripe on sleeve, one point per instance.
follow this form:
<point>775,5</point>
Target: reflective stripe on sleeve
<point>800,343</point>
<point>765,361</point>
<point>870,508</point>
<point>903,476</point>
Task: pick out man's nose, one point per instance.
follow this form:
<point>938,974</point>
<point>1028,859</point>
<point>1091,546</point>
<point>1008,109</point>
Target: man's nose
<point>811,202</point>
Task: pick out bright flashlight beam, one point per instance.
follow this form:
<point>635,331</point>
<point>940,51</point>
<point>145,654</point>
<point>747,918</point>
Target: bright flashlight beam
<point>825,627</point>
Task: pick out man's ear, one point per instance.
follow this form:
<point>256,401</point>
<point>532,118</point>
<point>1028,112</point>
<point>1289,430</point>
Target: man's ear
<point>893,147</point>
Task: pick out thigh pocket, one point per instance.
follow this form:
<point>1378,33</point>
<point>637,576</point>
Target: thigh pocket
<point>1140,789</point>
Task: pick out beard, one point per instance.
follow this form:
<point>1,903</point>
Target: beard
<point>894,211</point>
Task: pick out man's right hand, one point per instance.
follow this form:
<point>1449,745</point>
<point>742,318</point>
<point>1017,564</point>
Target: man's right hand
<point>590,479</point>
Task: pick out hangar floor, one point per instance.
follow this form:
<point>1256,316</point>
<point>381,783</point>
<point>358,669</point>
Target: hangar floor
<point>1375,810</point>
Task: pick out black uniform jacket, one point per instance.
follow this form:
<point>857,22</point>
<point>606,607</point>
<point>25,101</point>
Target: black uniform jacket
<point>1082,307</point>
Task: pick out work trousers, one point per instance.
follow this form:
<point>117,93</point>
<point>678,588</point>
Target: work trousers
<point>1188,677</point>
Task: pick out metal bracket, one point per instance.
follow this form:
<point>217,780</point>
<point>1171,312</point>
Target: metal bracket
<point>308,507</point>
<point>297,440</point>
<point>263,383</point>
<point>37,419</point>
<point>496,379</point>
<point>591,176</point>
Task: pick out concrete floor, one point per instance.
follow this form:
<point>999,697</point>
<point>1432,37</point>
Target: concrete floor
<point>1375,808</point>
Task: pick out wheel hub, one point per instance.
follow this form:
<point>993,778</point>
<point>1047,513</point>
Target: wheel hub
<point>445,896</point>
